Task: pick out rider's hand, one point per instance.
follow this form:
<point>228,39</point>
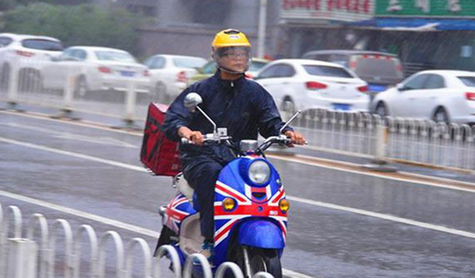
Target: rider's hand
<point>195,137</point>
<point>295,138</point>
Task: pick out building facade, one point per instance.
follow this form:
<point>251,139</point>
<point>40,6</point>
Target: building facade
<point>424,33</point>
<point>188,26</point>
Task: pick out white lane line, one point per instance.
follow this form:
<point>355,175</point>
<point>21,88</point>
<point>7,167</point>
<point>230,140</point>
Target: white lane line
<point>77,155</point>
<point>82,214</point>
<point>376,174</point>
<point>384,216</point>
<point>94,125</point>
<point>296,199</point>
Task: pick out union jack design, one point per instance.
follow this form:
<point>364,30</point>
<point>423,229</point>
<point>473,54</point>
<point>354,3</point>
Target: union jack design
<point>248,205</point>
<point>174,215</point>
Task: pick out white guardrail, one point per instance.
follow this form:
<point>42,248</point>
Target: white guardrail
<point>357,134</point>
<point>390,139</point>
<point>34,255</point>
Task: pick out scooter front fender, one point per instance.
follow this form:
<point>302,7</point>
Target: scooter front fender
<point>261,233</point>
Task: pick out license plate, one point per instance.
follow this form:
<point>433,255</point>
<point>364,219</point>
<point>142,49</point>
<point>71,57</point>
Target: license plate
<point>341,107</point>
<point>127,73</point>
<point>376,88</point>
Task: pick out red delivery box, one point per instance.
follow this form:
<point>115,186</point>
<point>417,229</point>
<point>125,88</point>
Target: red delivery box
<point>158,153</point>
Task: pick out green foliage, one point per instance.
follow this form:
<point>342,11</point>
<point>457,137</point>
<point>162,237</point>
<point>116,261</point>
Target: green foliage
<point>76,25</point>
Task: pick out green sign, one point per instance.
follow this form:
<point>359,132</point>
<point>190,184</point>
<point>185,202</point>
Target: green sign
<point>426,8</point>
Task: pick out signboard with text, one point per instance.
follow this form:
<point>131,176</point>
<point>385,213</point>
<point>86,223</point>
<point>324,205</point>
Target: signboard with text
<point>317,10</point>
<point>427,8</point>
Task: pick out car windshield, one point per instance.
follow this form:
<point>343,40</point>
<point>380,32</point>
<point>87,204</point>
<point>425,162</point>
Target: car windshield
<point>381,67</point>
<point>327,71</point>
<point>41,44</point>
<point>467,80</point>
<point>256,66</point>
<point>114,56</point>
<point>184,62</point>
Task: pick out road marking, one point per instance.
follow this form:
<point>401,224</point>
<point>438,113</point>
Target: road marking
<point>384,216</point>
<point>82,214</point>
<point>293,198</point>
<point>400,176</point>
<point>72,136</point>
<point>78,155</point>
<point>470,187</point>
<point>337,165</point>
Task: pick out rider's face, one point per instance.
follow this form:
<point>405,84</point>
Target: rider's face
<point>235,59</point>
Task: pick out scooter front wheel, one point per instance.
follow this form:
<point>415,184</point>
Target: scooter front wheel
<point>253,260</point>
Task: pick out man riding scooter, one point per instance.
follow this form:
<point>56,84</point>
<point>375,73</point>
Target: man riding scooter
<point>231,101</point>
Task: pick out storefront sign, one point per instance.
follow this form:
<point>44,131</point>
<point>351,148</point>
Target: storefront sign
<point>437,8</point>
<point>339,10</point>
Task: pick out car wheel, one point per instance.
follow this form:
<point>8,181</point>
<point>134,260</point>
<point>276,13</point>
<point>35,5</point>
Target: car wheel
<point>288,106</point>
<point>81,87</point>
<point>160,92</point>
<point>441,116</point>
<point>4,77</point>
<point>381,110</point>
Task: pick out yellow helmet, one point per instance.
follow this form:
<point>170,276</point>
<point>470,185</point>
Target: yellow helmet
<point>230,37</point>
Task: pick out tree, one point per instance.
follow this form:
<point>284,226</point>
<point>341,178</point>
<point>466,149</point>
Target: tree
<point>76,25</point>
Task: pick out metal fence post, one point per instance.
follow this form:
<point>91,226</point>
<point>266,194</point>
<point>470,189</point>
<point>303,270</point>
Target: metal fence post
<point>69,85</point>
<point>12,90</point>
<point>43,246</point>
<point>130,102</point>
<point>234,268</point>
<point>22,258</point>
<point>172,254</point>
<point>379,163</point>
<point>262,275</point>
<point>194,260</point>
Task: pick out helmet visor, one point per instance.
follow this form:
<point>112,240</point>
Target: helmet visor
<point>234,52</point>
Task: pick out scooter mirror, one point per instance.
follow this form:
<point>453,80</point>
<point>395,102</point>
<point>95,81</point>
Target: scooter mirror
<point>192,100</point>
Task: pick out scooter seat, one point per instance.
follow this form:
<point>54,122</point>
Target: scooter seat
<point>183,186</point>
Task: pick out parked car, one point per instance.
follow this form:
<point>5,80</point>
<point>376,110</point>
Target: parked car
<point>438,95</point>
<point>169,74</point>
<point>95,68</point>
<point>299,84</point>
<point>380,70</point>
<point>210,68</point>
<point>27,53</point>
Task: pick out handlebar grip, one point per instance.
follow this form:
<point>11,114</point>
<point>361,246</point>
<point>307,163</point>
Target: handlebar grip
<point>185,141</point>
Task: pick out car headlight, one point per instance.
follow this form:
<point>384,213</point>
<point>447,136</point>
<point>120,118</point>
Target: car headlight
<point>259,172</point>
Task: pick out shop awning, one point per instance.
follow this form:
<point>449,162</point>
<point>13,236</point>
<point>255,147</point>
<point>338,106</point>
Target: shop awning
<point>417,24</point>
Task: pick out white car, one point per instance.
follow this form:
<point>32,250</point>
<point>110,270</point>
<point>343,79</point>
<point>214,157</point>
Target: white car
<point>169,74</point>
<point>26,53</point>
<point>299,84</point>
<point>438,95</point>
<point>95,68</point>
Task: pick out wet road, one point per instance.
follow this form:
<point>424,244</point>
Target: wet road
<point>405,230</point>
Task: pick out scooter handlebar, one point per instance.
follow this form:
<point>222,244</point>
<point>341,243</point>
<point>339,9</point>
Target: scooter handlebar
<point>210,137</point>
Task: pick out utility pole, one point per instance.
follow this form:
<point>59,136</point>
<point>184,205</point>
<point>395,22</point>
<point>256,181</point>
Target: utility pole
<point>261,36</point>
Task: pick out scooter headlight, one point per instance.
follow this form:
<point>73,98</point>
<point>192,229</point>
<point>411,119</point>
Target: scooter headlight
<point>259,172</point>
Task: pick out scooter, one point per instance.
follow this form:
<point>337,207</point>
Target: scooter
<point>250,208</point>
